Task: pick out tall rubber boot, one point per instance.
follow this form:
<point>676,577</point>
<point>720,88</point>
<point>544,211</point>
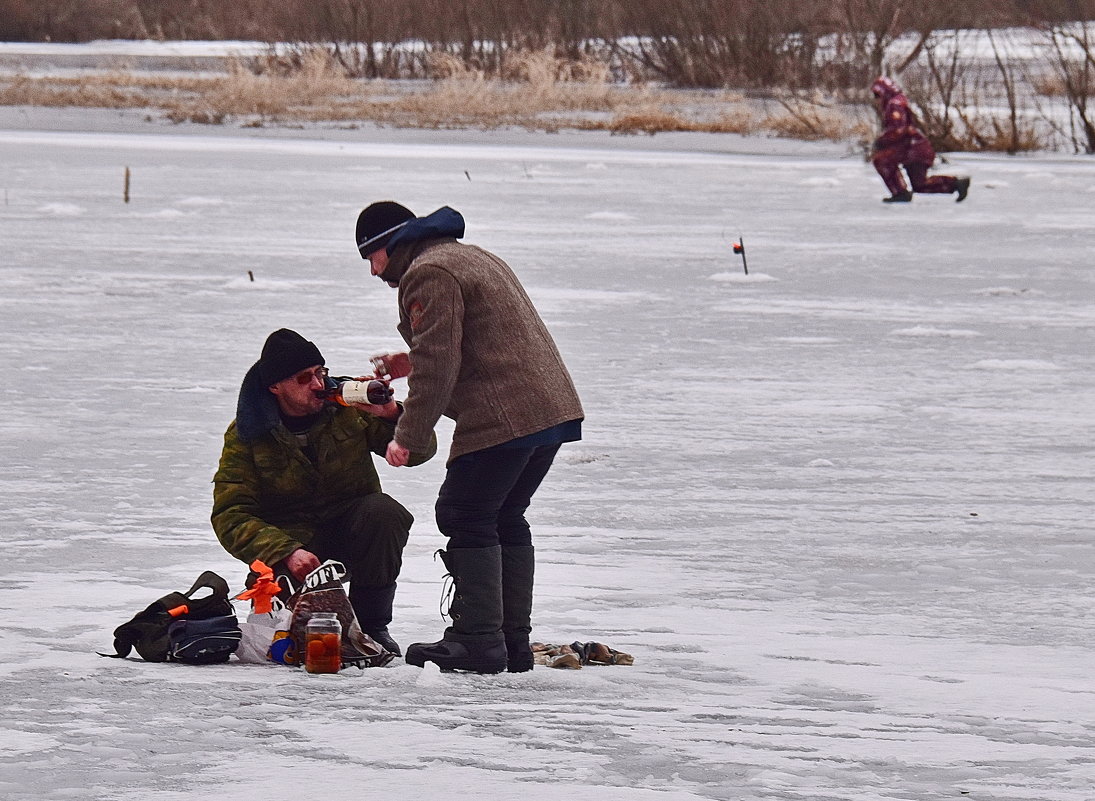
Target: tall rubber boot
<point>518,570</point>
<point>373,608</point>
<point>474,641</point>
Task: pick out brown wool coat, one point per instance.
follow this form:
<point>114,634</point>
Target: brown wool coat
<point>479,351</point>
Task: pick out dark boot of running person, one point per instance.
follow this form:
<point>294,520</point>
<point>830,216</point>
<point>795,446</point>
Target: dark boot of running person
<point>962,188</point>
<point>518,568</point>
<point>899,197</point>
<point>373,608</point>
<point>474,641</point>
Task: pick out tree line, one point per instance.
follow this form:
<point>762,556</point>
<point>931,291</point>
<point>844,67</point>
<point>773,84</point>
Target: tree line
<point>685,43</point>
<point>792,50</point>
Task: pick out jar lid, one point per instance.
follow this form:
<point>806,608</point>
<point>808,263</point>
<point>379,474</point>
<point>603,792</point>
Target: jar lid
<point>324,616</point>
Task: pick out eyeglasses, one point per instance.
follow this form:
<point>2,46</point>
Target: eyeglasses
<point>306,378</point>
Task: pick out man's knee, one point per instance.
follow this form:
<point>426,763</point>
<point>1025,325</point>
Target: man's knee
<point>389,510</point>
<point>368,536</point>
<point>451,516</point>
<point>370,528</point>
<point>918,176</point>
<point>886,160</point>
<point>466,526</point>
<point>513,529</point>
<point>378,513</point>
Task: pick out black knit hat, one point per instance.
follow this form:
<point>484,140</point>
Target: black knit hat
<point>378,223</point>
<point>286,353</point>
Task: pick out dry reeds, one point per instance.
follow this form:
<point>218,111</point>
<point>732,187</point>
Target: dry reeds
<point>812,118</point>
<point>273,95</point>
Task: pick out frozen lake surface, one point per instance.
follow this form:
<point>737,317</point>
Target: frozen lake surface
<point>839,509</point>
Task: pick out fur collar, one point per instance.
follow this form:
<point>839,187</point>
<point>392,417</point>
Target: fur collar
<point>256,409</point>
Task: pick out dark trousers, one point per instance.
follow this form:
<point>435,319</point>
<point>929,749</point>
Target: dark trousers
<point>483,499</point>
<point>367,535</point>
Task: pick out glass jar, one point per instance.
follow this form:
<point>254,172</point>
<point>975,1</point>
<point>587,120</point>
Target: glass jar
<point>323,643</point>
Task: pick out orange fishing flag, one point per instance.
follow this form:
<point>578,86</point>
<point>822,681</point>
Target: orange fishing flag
<point>263,590</point>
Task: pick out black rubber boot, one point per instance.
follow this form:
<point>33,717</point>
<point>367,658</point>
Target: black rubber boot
<point>518,570</point>
<point>962,188</point>
<point>899,197</point>
<point>474,641</point>
<point>373,608</point>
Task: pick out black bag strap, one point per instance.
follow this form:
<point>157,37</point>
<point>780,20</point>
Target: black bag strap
<point>211,581</point>
<point>214,604</point>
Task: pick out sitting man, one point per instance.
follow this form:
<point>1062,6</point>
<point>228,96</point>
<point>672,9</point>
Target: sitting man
<point>296,484</point>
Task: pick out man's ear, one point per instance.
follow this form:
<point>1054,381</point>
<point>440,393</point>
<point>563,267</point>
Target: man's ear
<point>274,389</point>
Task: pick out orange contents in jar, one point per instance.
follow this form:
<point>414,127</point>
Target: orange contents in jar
<point>323,652</point>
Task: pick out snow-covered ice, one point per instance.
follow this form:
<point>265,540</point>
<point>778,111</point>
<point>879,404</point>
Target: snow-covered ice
<point>839,510</point>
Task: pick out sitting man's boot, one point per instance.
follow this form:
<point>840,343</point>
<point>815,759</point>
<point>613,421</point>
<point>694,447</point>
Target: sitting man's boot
<point>474,641</point>
<point>518,569</point>
<point>904,196</point>
<point>962,188</point>
<point>373,608</point>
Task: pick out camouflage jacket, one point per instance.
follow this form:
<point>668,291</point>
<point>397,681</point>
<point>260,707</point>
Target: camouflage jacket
<point>268,497</point>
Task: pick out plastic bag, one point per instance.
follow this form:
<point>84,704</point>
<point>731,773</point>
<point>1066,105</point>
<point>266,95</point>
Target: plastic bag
<point>268,622</point>
<point>259,631</point>
<point>322,591</point>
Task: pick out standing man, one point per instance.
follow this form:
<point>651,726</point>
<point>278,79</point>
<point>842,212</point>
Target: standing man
<point>480,354</point>
<point>296,484</point>
<point>902,143</point>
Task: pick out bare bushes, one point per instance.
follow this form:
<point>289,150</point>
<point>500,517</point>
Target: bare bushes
<point>1072,45</point>
<point>974,90</point>
<point>356,59</point>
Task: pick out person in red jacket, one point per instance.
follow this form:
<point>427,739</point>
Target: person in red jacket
<point>903,144</point>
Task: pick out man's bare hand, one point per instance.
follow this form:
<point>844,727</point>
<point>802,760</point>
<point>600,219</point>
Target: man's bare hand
<point>300,563</point>
<point>386,411</point>
<point>392,365</point>
<point>397,456</point>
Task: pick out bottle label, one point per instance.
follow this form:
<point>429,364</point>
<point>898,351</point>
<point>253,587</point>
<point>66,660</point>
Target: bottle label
<point>355,391</point>
<point>360,392</point>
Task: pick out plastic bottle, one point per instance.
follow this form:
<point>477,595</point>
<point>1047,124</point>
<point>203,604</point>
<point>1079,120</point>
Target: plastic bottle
<point>373,391</point>
<point>323,643</point>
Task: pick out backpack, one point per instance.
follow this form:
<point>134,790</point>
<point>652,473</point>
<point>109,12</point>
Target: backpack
<point>181,628</point>
<point>204,642</point>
